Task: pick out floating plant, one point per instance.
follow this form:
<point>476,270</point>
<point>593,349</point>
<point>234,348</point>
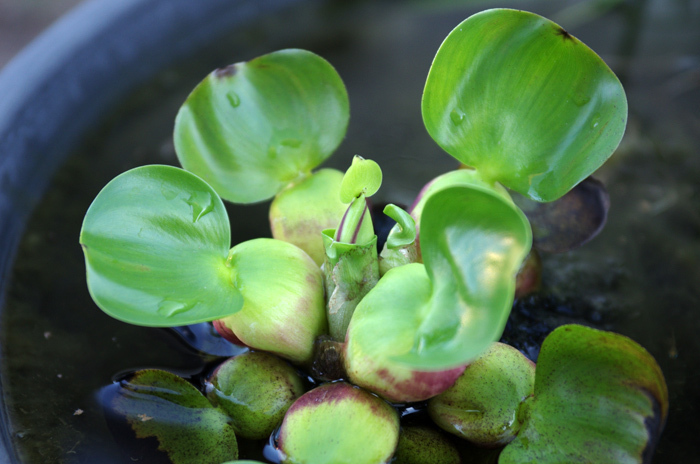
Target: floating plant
<point>529,113</point>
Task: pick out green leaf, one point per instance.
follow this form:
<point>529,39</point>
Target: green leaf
<point>155,241</point>
<point>599,397</point>
<point>518,98</point>
<point>404,233</point>
<point>473,243</point>
<point>188,428</point>
<point>364,176</point>
<point>447,312</point>
<point>252,128</point>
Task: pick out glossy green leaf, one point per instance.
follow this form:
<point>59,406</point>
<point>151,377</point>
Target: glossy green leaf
<point>446,313</point>
<point>473,243</point>
<point>599,397</point>
<point>252,128</point>
<point>155,241</point>
<point>518,98</point>
<point>404,233</point>
<point>188,428</point>
<point>363,177</point>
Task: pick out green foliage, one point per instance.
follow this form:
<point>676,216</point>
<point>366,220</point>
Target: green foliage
<point>188,428</point>
<point>364,177</point>
<point>446,313</point>
<point>252,128</point>
<point>155,241</point>
<point>518,98</point>
<point>599,397</point>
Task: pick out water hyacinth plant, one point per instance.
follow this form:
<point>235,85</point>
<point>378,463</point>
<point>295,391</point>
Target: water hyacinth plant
<point>529,112</point>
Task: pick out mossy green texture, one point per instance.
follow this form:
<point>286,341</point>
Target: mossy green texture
<point>338,423</point>
<point>424,445</point>
<point>599,397</point>
<point>188,428</point>
<point>482,404</point>
<point>301,211</point>
<point>255,389</point>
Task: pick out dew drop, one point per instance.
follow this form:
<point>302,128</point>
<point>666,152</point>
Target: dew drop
<point>291,143</point>
<point>169,308</point>
<point>457,116</point>
<point>580,99</point>
<point>168,192</point>
<point>595,120</point>
<point>233,99</point>
<point>202,203</point>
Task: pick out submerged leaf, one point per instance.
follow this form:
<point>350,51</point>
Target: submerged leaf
<point>252,128</point>
<point>599,397</point>
<point>155,242</point>
<point>188,428</point>
<point>523,102</point>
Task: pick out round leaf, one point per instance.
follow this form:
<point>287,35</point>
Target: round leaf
<point>252,128</point>
<point>363,177</point>
<point>155,241</point>
<point>599,397</point>
<point>518,98</point>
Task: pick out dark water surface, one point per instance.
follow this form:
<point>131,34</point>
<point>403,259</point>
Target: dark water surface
<point>640,277</point>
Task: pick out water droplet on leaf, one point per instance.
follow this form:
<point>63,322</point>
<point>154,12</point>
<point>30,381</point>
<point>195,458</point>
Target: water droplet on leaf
<point>580,99</point>
<point>457,116</point>
<point>201,203</point>
<point>595,120</point>
<point>233,99</point>
<point>168,192</point>
<point>170,308</point>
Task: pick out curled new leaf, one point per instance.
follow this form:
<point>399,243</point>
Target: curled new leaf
<point>252,128</point>
<point>155,241</point>
<point>525,103</point>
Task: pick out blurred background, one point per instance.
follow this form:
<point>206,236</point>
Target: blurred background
<point>22,20</point>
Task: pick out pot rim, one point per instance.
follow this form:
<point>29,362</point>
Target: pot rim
<point>56,88</point>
